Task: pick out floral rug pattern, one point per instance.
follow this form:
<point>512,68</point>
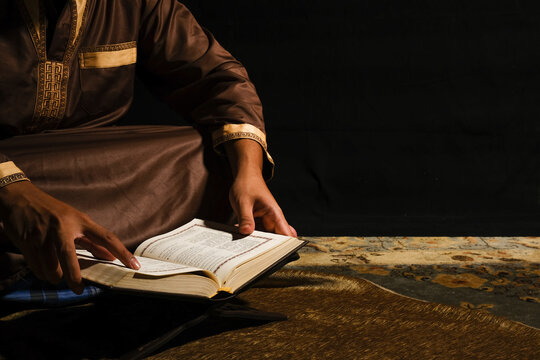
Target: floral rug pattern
<point>496,274</point>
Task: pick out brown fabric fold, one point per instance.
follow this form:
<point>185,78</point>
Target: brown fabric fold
<point>137,181</point>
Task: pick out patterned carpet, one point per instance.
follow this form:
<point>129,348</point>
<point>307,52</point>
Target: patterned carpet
<point>500,275</point>
<point>492,283</point>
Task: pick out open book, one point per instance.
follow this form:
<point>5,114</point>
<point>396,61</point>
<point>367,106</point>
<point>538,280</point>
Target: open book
<point>200,259</point>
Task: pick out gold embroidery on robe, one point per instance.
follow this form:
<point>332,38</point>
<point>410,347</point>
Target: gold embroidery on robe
<point>106,56</point>
<point>53,76</point>
<point>51,91</point>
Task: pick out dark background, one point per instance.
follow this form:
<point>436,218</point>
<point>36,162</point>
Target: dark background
<point>393,117</point>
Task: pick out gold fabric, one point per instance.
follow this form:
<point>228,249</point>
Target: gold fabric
<point>8,168</point>
<point>109,56</point>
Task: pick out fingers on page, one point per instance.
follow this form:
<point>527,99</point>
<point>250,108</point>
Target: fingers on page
<point>110,242</point>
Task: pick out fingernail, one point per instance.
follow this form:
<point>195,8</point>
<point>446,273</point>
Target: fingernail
<point>134,263</point>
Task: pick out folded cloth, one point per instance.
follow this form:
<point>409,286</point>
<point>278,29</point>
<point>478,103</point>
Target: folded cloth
<point>32,291</point>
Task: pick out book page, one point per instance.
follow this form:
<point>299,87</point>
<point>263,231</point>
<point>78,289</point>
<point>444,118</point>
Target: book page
<point>148,266</point>
<point>218,251</point>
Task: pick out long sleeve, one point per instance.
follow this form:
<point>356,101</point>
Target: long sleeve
<point>186,67</point>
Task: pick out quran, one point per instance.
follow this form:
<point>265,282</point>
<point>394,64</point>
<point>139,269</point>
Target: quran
<point>199,259</point>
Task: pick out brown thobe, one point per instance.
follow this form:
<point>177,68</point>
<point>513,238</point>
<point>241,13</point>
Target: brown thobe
<point>58,95</point>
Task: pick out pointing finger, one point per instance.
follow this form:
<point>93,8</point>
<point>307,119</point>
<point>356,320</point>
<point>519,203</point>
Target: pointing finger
<point>97,250</point>
<point>110,242</point>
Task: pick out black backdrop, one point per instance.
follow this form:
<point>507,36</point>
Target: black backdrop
<point>393,117</point>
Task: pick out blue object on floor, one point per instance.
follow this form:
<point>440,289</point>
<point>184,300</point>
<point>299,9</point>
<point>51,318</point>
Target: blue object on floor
<point>32,291</point>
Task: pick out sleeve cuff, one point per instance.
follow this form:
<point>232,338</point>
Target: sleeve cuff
<point>230,132</point>
<point>8,168</point>
<point>9,173</point>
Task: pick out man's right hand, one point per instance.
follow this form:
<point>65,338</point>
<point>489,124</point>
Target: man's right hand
<point>46,231</point>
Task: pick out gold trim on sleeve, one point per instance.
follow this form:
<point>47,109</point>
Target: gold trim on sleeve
<point>9,173</point>
<point>238,131</point>
<point>8,168</point>
<point>108,59</point>
<point>10,179</point>
<point>230,132</point>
